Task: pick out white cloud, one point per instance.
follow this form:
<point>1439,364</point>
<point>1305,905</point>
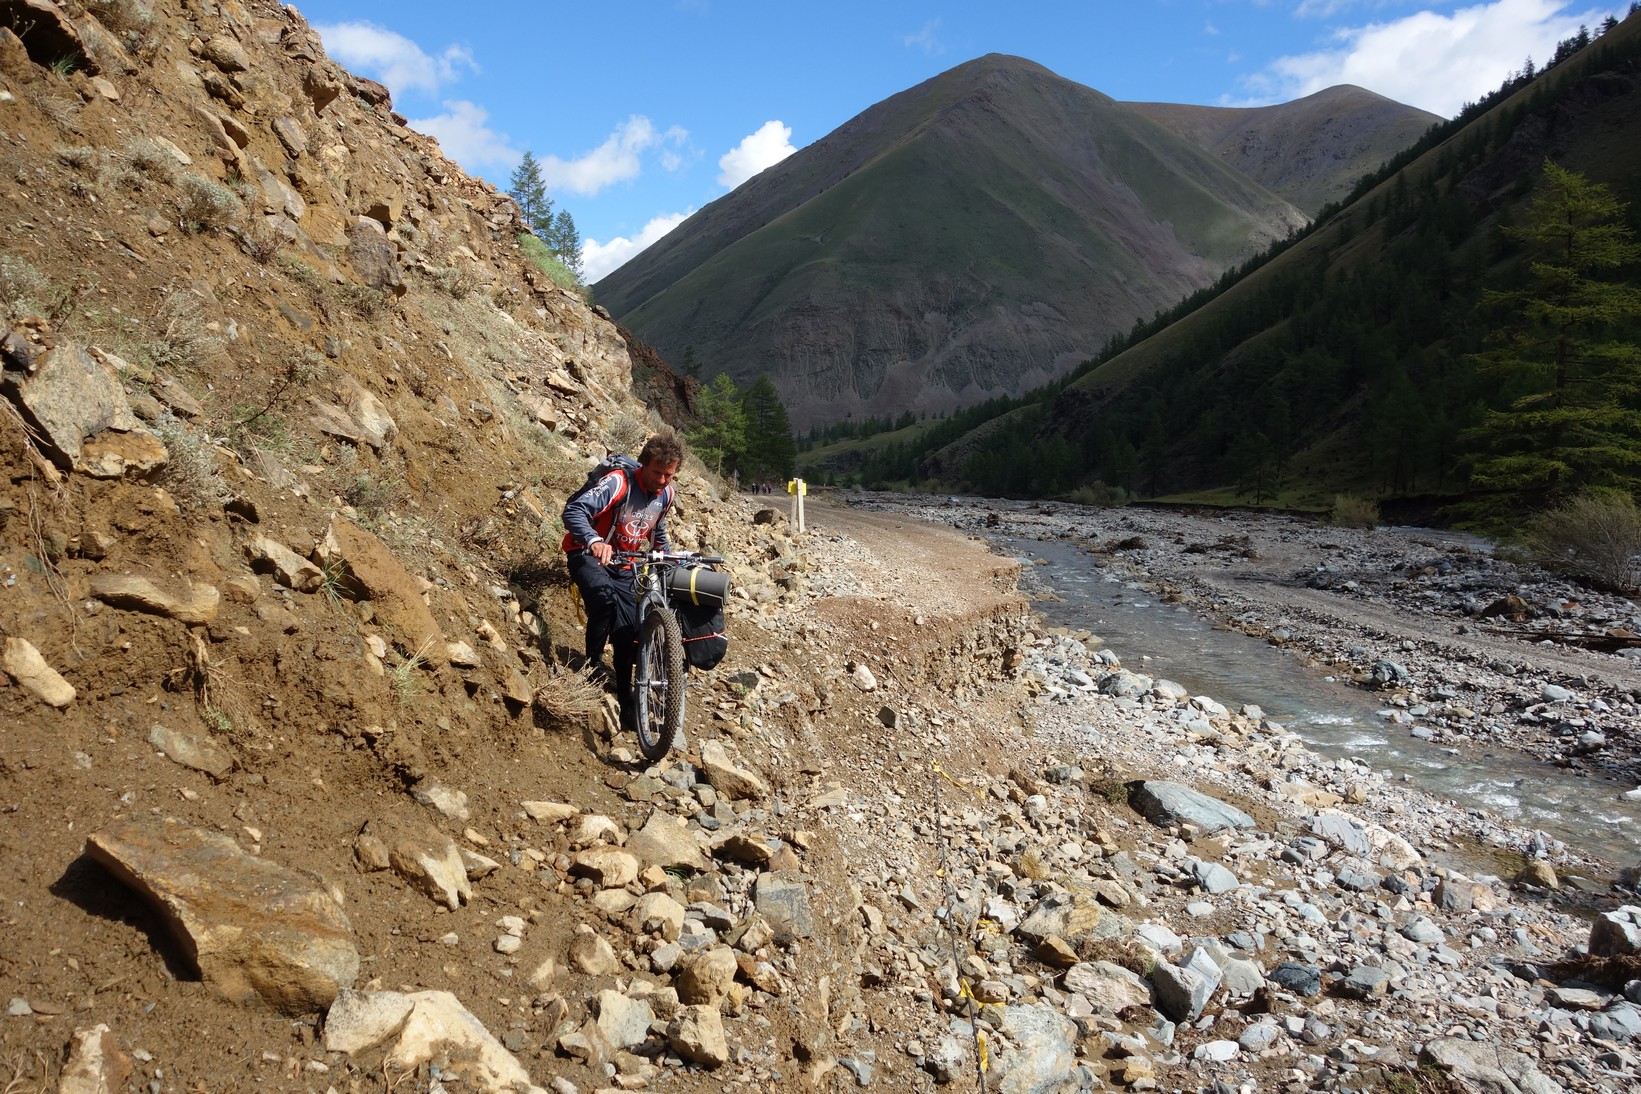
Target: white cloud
<point>599,259</point>
<point>618,159</point>
<point>771,144</point>
<point>394,59</point>
<point>464,134</point>
<point>1429,60</point>
<point>925,39</point>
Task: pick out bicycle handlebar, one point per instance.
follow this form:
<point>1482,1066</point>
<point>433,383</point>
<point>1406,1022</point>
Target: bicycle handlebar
<point>672,557</point>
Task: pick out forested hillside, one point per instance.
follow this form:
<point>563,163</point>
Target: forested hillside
<point>1347,358</point>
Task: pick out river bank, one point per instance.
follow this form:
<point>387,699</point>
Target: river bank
<point>1476,655</point>
<point>1348,927</point>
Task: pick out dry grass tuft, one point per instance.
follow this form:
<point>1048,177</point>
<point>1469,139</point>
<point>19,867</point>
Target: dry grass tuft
<point>568,698</point>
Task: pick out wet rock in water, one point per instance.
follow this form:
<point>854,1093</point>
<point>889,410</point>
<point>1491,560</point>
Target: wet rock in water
<point>254,928</point>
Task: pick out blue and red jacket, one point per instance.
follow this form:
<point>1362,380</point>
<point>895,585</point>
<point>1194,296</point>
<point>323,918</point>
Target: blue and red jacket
<point>618,511</point>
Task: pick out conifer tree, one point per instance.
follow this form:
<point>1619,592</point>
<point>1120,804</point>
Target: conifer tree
<point>1575,417</point>
<point>566,240</point>
<point>527,187</point>
<point>770,450</point>
<point>720,438</point>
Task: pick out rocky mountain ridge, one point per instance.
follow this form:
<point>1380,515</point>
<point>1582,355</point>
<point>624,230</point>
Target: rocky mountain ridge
<point>977,235</point>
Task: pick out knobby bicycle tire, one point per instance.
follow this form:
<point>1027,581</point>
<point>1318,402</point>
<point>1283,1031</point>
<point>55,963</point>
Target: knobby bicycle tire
<point>658,680</point>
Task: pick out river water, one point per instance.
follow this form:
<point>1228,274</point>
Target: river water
<point>1334,719</point>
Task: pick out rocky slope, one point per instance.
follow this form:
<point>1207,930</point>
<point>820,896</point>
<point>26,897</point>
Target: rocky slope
<point>297,793</point>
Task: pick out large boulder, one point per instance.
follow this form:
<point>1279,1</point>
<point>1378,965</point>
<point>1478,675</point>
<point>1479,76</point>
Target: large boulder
<point>253,928</point>
<point>1169,803</point>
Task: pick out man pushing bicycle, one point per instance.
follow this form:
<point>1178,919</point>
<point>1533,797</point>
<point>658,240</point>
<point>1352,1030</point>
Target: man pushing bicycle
<point>625,510</point>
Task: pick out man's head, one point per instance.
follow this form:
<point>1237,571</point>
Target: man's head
<point>659,461</point>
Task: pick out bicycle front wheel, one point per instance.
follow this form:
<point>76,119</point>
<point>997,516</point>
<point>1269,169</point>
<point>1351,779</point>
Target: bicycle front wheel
<point>658,684</point>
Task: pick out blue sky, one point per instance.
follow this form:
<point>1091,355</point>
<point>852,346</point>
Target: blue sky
<point>643,112</point>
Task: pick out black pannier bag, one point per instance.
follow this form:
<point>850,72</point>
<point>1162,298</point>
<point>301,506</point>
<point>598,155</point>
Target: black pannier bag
<point>697,587</point>
<point>704,640</point>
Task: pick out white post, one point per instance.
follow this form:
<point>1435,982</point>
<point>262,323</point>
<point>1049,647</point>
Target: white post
<point>797,488</point>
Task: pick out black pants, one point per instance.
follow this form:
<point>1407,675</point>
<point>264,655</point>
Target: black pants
<point>612,617</point>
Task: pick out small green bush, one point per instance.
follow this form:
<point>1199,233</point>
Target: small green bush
<point>1594,537</point>
<point>1098,494</point>
<point>1350,511</point>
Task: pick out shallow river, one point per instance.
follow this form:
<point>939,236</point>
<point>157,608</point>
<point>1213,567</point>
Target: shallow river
<point>1333,718</point>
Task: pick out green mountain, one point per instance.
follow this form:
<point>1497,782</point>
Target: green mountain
<point>1313,150</point>
<point>975,236</point>
<point>1345,359</point>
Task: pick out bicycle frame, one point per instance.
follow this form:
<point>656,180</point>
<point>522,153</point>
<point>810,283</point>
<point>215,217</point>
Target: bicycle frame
<point>658,686</point>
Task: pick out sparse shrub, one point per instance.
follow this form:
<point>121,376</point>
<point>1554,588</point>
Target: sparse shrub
<point>186,338</point>
<point>1351,511</point>
<point>361,300</point>
<point>152,160</point>
<point>372,492</point>
<point>1594,537</point>
<point>402,677</point>
<point>191,474</point>
<point>77,156</point>
<point>260,242</point>
<point>454,282</point>
<point>207,206</point>
<point>628,434</point>
<point>122,16</point>
<point>567,699</point>
<point>23,289</point>
<point>548,263</point>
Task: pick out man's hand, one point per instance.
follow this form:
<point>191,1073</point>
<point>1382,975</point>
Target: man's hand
<point>602,552</point>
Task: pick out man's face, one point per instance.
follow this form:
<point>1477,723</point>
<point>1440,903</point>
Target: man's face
<point>654,477</point>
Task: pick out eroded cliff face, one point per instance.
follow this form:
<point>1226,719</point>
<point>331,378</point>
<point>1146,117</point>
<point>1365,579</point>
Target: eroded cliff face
<point>287,419</point>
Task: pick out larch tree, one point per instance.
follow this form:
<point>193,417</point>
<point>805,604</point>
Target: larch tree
<point>1574,379</point>
<point>527,187</point>
<point>770,450</point>
<point>566,241</point>
<point>719,437</point>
